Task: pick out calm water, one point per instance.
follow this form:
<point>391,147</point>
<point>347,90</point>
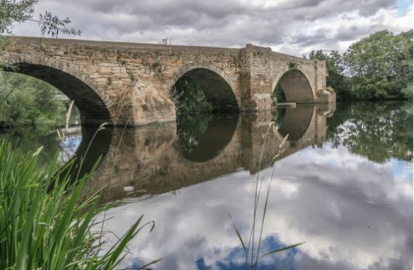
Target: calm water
<point>342,183</point>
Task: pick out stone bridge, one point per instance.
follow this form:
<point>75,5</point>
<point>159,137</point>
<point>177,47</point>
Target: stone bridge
<point>130,84</point>
<point>147,159</point>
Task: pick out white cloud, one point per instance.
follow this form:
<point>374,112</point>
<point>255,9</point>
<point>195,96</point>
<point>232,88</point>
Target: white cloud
<point>354,216</point>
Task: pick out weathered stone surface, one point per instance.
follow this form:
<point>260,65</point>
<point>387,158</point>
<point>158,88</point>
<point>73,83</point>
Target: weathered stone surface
<point>129,84</point>
<point>147,158</point>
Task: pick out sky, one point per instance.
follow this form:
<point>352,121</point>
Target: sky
<point>290,26</point>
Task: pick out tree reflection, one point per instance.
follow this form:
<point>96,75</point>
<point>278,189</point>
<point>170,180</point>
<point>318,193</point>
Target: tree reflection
<point>202,137</point>
<point>29,139</point>
<point>378,131</point>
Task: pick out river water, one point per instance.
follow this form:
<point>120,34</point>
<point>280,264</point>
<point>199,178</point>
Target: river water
<point>341,184</point>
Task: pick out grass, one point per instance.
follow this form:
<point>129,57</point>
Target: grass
<point>252,248</point>
<point>50,229</point>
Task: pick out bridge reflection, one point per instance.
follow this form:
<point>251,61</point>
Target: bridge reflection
<point>151,160</point>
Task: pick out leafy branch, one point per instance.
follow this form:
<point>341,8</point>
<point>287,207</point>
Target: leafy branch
<point>52,25</point>
<point>20,11</point>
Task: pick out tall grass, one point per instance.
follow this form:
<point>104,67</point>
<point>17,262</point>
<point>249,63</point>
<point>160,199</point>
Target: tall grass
<point>252,248</point>
<point>50,229</point>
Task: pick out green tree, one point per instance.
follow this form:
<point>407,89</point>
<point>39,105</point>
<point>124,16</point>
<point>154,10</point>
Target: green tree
<point>380,65</point>
<point>189,98</point>
<point>28,101</point>
<point>336,78</point>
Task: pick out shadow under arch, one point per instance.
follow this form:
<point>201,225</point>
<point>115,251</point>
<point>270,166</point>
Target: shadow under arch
<point>296,86</point>
<point>214,83</point>
<point>295,122</point>
<point>91,105</point>
<point>201,144</point>
<point>201,137</point>
<point>90,152</point>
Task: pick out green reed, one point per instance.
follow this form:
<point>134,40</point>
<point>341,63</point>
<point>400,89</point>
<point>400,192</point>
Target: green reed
<point>43,228</point>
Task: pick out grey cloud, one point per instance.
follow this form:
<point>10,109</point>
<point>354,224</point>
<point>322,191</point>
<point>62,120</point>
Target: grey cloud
<point>224,23</point>
<point>354,209</point>
<point>306,40</point>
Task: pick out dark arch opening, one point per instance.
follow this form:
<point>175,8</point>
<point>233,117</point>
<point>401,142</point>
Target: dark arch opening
<point>294,121</point>
<point>293,86</point>
<point>199,85</point>
<point>92,109</point>
<point>200,96</point>
<point>206,139</point>
<point>91,151</point>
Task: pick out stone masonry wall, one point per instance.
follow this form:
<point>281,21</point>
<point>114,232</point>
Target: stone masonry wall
<point>134,80</point>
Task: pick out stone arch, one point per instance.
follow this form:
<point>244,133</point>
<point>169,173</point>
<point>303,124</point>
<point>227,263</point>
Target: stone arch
<point>296,85</point>
<point>296,123</point>
<point>201,148</point>
<point>92,102</point>
<point>195,71</point>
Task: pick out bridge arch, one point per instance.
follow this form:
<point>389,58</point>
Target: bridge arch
<point>201,146</point>
<point>296,85</point>
<point>217,86</point>
<point>296,122</point>
<point>91,101</point>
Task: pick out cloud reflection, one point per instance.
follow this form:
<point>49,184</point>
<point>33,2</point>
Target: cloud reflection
<point>356,215</point>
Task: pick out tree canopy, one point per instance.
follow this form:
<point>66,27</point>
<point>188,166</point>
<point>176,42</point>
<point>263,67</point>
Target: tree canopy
<point>379,66</point>
<point>28,101</point>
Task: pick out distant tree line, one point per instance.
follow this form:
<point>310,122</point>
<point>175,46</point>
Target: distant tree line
<point>377,67</point>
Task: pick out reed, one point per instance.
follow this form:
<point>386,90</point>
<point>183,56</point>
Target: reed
<point>51,229</point>
<point>252,248</point>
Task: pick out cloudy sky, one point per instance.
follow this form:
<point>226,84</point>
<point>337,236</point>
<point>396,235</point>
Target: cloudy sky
<point>290,26</point>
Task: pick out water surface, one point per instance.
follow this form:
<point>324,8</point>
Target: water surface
<point>342,183</point>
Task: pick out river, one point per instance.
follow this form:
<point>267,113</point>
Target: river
<point>341,184</point>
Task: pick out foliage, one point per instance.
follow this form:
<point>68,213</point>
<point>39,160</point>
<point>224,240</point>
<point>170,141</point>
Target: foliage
<point>384,61</point>
<point>43,228</point>
<point>190,129</point>
<point>379,131</point>
<point>22,11</point>
<point>28,101</point>
<point>335,66</point>
<point>28,139</point>
<point>52,25</point>
<point>278,96</point>
<point>379,66</point>
<point>190,99</point>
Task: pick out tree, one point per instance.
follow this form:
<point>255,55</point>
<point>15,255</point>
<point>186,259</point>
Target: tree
<point>381,65</point>
<point>335,66</point>
<point>20,11</point>
<point>30,102</point>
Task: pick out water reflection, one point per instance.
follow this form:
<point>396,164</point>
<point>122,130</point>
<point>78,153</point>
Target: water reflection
<point>344,188</point>
<point>378,131</point>
<point>206,137</point>
<point>295,121</point>
<point>356,215</point>
<point>157,160</point>
<point>353,213</point>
